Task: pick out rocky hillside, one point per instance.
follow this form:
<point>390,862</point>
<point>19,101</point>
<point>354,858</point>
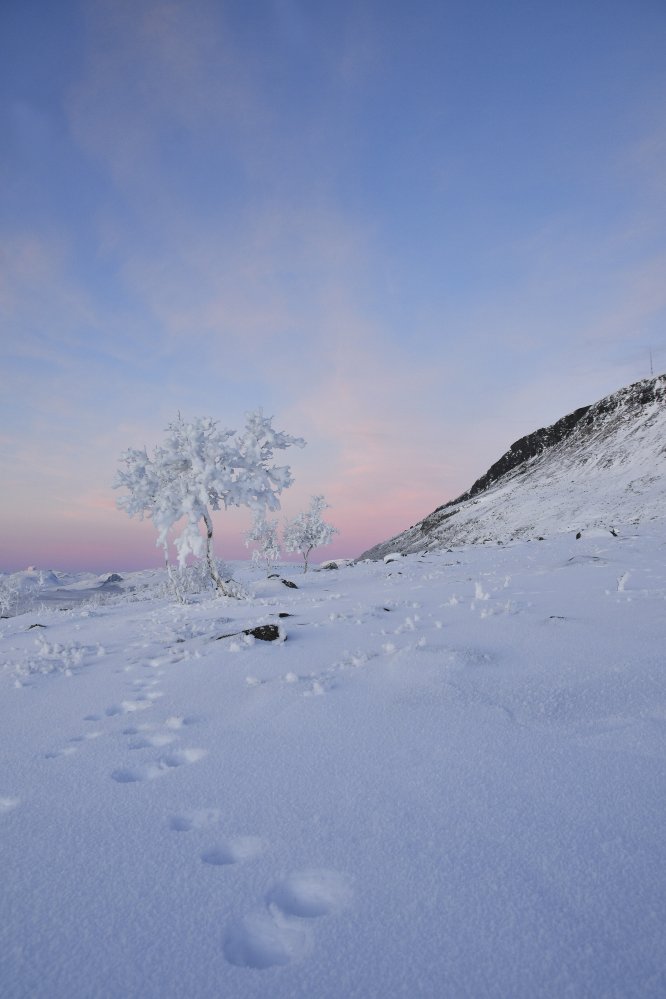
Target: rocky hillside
<point>599,467</point>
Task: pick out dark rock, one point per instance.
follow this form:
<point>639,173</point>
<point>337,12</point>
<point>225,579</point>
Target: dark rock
<point>265,632</point>
<point>285,614</point>
<point>285,582</point>
<point>113,578</point>
<point>579,536</point>
<point>36,626</point>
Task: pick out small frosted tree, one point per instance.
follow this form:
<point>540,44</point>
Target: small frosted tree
<point>308,531</point>
<point>264,533</point>
<point>200,468</point>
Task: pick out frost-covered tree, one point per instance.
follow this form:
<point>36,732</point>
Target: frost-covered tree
<point>308,531</point>
<point>264,533</point>
<point>200,468</point>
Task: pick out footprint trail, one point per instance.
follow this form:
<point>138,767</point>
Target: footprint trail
<point>279,932</point>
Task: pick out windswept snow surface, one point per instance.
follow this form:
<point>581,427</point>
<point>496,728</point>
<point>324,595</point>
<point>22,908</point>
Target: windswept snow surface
<point>448,781</point>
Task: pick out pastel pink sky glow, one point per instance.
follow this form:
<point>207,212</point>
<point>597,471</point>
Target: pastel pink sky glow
<point>405,232</point>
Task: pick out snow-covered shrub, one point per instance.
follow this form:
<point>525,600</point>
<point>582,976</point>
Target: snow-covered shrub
<point>264,533</point>
<point>200,468</point>
<point>9,595</point>
<point>20,590</point>
<point>308,531</point>
<point>57,657</point>
<point>195,578</point>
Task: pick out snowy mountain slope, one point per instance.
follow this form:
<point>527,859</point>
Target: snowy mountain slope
<point>599,467</point>
<point>449,780</point>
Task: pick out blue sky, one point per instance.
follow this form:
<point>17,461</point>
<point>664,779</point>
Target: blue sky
<point>412,232</point>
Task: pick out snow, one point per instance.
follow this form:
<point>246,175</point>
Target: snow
<point>449,780</point>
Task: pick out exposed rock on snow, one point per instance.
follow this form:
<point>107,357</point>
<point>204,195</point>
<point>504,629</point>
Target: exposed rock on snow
<point>267,633</point>
<point>263,632</point>
<point>285,582</point>
<point>595,468</point>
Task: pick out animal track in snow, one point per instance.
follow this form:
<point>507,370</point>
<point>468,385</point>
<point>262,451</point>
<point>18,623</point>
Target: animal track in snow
<point>311,893</point>
<point>266,938</point>
<point>178,758</point>
<point>234,851</point>
<point>155,741</point>
<point>133,775</point>
<point>128,707</point>
<point>177,721</point>
<point>201,818</point>
<point>55,753</point>
<point>145,685</point>
<point>136,729</point>
<point>277,934</point>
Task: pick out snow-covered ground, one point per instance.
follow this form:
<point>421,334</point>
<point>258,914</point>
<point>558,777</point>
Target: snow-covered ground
<point>448,781</point>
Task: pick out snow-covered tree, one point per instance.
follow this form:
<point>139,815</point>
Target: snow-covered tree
<point>200,468</point>
<point>264,533</point>
<point>308,531</point>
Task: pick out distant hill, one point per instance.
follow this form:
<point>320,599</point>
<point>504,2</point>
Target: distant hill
<point>599,467</point>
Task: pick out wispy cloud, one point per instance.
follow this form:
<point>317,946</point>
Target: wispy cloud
<point>152,67</point>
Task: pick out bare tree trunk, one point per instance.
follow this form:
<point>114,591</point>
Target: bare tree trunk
<point>220,585</point>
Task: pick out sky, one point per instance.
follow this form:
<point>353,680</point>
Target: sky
<point>411,232</point>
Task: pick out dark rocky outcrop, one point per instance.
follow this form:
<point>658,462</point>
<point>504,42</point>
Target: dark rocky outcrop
<point>262,632</point>
<point>580,465</point>
<point>265,632</point>
<point>521,451</point>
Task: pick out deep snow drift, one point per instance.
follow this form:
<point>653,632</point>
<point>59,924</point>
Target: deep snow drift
<point>448,781</point>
